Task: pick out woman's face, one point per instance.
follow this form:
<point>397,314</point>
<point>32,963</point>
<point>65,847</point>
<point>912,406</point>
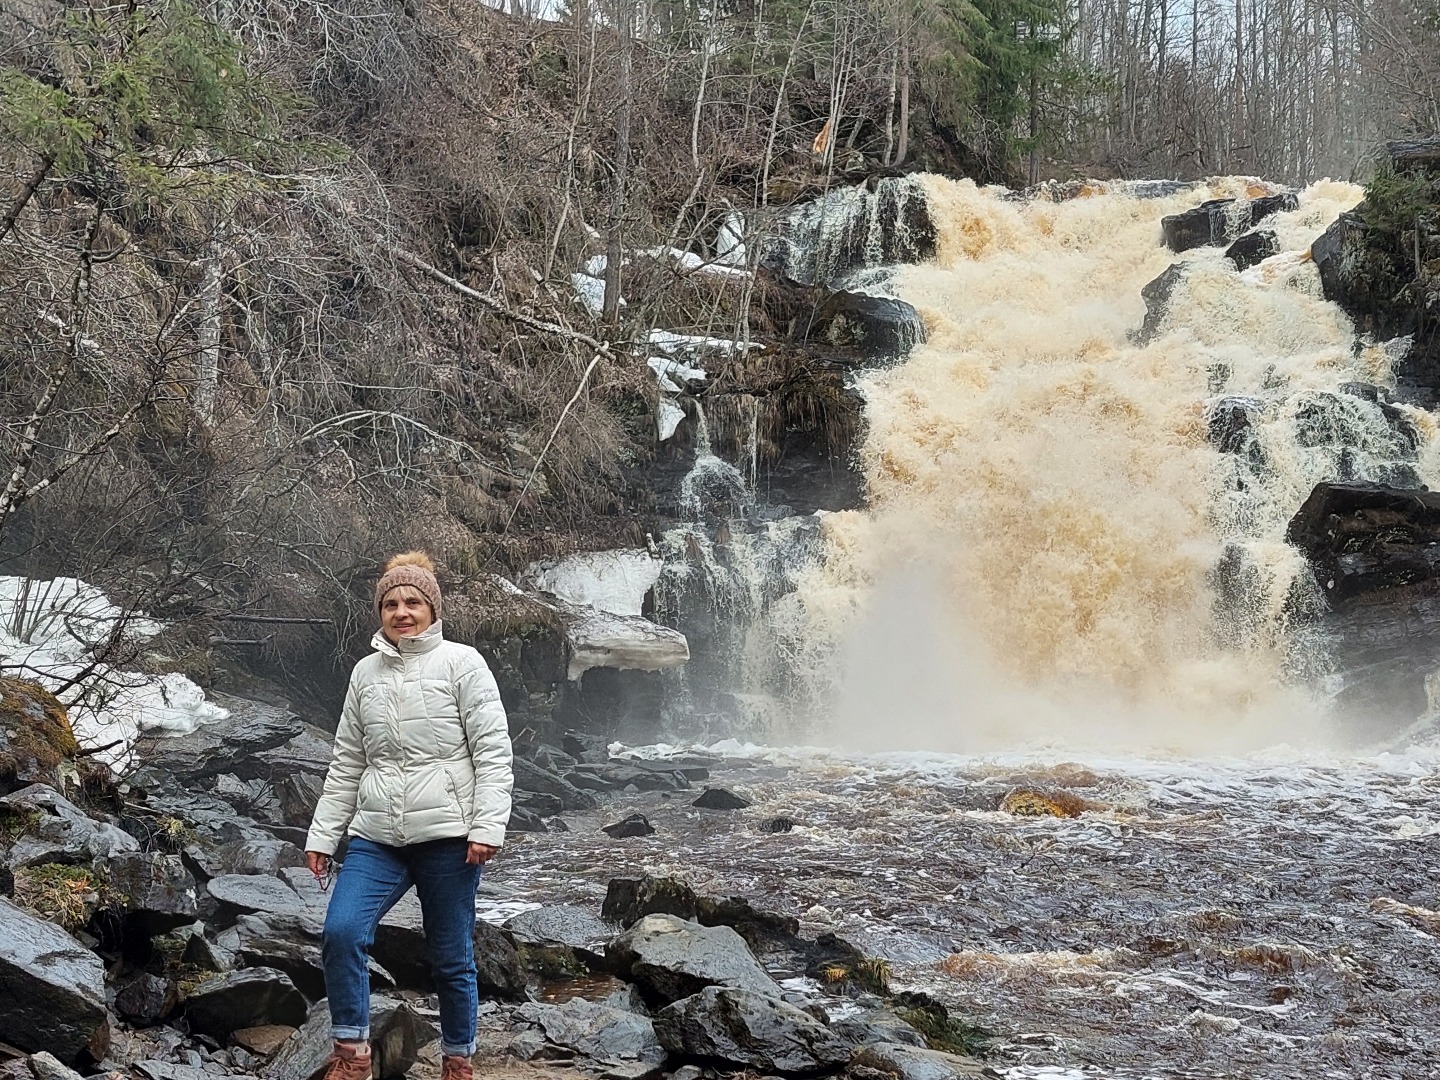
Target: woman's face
<point>404,612</point>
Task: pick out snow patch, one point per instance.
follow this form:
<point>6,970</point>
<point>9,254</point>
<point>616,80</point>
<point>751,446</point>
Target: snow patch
<point>614,581</point>
<point>56,633</point>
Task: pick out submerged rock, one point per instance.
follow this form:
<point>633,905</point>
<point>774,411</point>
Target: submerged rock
<point>1253,248</point>
<point>1157,295</point>
<point>743,1027</point>
<point>669,958</point>
<point>721,799</point>
<point>633,825</point>
<point>52,988</point>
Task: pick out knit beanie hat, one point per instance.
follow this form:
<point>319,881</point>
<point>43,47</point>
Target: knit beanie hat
<point>415,569</point>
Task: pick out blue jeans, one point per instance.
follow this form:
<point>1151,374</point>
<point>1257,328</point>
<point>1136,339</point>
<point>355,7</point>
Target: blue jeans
<point>371,880</point>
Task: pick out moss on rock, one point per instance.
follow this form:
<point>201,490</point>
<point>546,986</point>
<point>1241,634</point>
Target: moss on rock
<point>36,739</point>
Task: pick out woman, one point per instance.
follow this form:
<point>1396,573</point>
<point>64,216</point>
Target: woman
<point>421,778</point>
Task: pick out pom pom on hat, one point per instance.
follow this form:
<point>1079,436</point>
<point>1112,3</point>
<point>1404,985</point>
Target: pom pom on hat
<point>413,568</point>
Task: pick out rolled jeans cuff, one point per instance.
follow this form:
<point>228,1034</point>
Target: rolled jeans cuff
<point>458,1049</point>
<point>349,1034</point>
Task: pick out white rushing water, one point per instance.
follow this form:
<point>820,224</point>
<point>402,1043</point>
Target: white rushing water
<point>1037,560</point>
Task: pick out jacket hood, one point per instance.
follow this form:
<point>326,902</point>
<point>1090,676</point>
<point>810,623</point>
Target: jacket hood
<point>422,642</point>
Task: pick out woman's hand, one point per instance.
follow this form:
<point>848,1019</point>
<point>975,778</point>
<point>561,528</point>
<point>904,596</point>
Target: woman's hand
<point>318,862</point>
<point>479,854</point>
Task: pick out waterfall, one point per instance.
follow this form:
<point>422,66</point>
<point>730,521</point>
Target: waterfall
<point>1076,535</point>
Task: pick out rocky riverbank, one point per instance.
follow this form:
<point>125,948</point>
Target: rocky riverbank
<point>163,928</point>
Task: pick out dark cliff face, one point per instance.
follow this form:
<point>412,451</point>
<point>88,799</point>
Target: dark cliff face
<point>1381,263</point>
<point>1375,551</point>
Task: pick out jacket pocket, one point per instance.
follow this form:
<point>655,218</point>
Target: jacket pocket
<point>456,798</point>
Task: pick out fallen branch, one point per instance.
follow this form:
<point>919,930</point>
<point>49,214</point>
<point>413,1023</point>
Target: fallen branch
<point>540,325</point>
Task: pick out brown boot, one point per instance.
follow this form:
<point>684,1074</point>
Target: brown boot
<point>347,1063</point>
<point>456,1067</point>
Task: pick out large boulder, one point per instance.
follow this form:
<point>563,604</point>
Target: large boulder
<point>754,1030</point>
<point>248,894</point>
<point>1157,295</point>
<point>627,900</point>
<point>231,745</point>
<point>877,326</point>
<point>147,999</point>
<point>670,958</point>
<point>531,777</point>
<point>35,736</point>
<point>601,1033</point>
<point>52,988</point>
<point>1253,248</point>
<point>52,829</point>
<point>159,892</point>
<point>241,999</point>
<point>559,939</point>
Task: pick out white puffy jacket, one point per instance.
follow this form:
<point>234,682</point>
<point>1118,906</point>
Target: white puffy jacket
<point>422,751</point>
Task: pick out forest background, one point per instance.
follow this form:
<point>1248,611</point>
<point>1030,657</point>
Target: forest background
<point>286,284</point>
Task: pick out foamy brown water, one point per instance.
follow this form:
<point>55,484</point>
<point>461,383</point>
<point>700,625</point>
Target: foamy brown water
<point>1045,512</point>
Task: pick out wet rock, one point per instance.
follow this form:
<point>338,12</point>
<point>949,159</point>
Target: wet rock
<point>906,1062</point>
<point>538,803</point>
<point>1364,538</point>
<point>264,1040</point>
<point>241,999</point>
<point>633,825</point>
<point>55,830</point>
<point>497,964</point>
<point>881,223</point>
<point>1157,295</point>
<point>627,900</point>
<point>209,821</point>
<point>559,938</point>
<point>720,799</point>
<point>690,766</point>
<point>159,891</point>
<point>1375,553</point>
<point>1230,423</point>
<point>876,1025</point>
<point>1221,220</point>
<point>531,777</point>
<point>297,796</point>
<point>7,881</point>
<point>526,1046</point>
<point>264,855</point>
<point>396,1034</point>
<point>146,1000</point>
<point>44,1066</point>
<point>878,326</point>
<point>230,745</point>
<point>247,894</point>
<point>52,988</point>
<point>751,1029</point>
<point>308,753</point>
<point>525,820</point>
<point>36,741</point>
<point>670,958</point>
<point>1253,248</point>
<point>597,1032</point>
<point>777,825</point>
<point>288,942</point>
<point>617,777</point>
